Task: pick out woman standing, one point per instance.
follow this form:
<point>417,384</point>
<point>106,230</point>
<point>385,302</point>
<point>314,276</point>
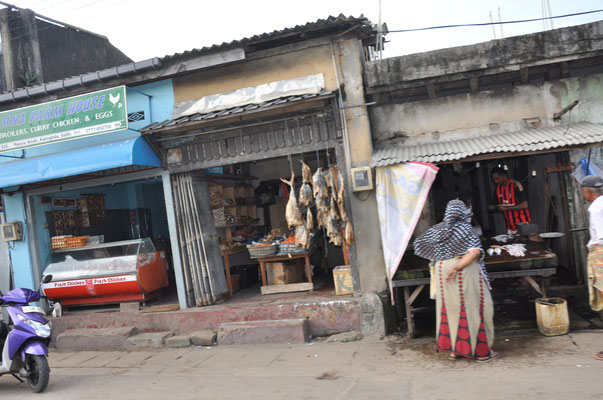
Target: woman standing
<point>464,309</point>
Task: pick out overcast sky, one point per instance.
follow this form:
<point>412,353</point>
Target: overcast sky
<point>144,29</point>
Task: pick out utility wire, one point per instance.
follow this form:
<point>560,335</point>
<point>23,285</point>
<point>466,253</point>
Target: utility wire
<point>494,23</point>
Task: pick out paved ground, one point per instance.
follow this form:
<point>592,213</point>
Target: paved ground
<point>531,367</point>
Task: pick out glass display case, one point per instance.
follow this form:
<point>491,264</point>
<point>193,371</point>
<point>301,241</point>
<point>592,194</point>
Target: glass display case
<point>108,272</point>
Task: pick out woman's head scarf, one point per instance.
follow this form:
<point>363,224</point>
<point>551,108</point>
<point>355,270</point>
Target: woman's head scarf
<point>452,237</point>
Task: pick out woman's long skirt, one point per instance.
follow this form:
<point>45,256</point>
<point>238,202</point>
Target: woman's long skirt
<point>464,311</point>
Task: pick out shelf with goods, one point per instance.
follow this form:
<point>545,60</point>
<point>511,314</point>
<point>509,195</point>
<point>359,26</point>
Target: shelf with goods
<point>232,205</point>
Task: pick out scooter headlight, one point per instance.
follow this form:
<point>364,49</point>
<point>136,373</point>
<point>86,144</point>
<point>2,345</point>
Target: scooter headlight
<point>42,330</point>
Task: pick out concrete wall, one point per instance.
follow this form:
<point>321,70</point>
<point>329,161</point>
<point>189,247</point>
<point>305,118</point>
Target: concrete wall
<point>367,253</point>
<point>256,72</point>
<point>66,52</point>
<point>48,52</point>
<point>496,55</point>
<point>492,111</point>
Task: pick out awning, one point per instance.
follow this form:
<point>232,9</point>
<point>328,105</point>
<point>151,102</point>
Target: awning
<point>192,120</point>
<point>526,140</point>
<point>121,153</point>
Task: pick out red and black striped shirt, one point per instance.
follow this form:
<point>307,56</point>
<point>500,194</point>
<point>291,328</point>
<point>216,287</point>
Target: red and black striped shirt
<point>512,194</point>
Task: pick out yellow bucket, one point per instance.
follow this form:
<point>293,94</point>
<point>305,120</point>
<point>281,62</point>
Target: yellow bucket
<point>552,316</point>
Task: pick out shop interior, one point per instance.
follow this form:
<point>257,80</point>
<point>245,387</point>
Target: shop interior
<point>547,181</point>
<point>249,203</point>
<point>96,231</point>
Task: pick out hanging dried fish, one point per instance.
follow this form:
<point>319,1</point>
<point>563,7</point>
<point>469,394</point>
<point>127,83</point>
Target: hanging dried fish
<point>301,236</point>
<point>305,192</point>
<point>309,220</point>
<point>332,179</point>
<point>337,240</point>
<point>329,179</point>
<point>333,222</point>
<point>340,187</point>
<point>292,213</point>
<point>348,233</point>
<point>321,219</point>
<point>319,184</point>
<point>322,204</point>
<point>342,213</point>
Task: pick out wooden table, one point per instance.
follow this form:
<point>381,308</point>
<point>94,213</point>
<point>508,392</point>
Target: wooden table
<point>292,287</point>
<point>526,274</point>
<point>226,253</point>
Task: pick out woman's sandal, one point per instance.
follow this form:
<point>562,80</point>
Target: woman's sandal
<point>598,356</point>
<point>453,356</point>
<point>493,356</point>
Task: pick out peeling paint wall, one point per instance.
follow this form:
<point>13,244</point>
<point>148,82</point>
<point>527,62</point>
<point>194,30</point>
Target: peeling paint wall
<point>493,111</point>
<point>256,72</point>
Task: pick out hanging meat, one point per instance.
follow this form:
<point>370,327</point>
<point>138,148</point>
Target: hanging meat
<point>319,184</point>
<point>292,213</point>
<point>309,220</point>
<point>301,236</point>
<point>305,193</point>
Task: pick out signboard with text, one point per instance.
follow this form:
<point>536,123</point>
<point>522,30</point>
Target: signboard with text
<point>66,119</point>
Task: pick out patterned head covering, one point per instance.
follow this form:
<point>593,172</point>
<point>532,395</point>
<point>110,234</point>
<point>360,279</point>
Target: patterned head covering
<point>450,238</point>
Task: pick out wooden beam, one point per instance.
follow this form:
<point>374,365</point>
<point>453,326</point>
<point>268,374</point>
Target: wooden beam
<point>431,91</point>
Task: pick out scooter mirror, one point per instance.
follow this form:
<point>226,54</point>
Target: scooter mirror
<point>46,278</point>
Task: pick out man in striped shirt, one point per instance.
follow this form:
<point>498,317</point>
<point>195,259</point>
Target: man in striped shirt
<point>510,199</point>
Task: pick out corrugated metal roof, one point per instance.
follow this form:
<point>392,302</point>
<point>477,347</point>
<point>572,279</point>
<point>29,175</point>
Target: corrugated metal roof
<point>341,22</point>
<point>321,27</point>
<point>526,140</point>
<point>200,117</point>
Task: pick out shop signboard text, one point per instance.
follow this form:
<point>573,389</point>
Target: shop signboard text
<point>71,118</point>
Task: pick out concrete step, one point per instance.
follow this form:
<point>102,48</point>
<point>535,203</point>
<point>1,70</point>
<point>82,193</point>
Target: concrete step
<point>155,340</point>
<point>94,339</point>
<point>255,332</point>
<point>326,316</point>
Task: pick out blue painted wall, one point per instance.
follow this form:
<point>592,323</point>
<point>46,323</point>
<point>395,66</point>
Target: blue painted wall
<point>128,195</point>
<point>161,104</point>
<point>19,251</point>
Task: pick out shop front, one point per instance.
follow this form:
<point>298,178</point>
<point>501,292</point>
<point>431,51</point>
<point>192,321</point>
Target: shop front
<point>235,173</point>
<point>546,248</point>
<point>87,192</point>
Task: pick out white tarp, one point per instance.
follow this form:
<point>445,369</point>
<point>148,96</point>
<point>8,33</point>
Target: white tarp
<point>402,190</point>
<point>312,84</point>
